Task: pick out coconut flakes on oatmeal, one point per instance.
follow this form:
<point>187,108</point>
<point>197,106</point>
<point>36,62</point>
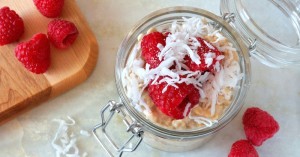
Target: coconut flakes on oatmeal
<point>180,42</point>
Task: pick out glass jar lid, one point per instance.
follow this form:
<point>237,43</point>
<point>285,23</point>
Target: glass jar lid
<point>271,28</point>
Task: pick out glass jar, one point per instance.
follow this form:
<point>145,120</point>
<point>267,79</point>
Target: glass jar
<point>238,27</point>
<point>154,135</point>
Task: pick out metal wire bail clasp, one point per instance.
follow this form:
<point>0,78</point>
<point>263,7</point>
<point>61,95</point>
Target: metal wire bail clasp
<point>229,17</point>
<point>252,45</point>
<point>132,126</point>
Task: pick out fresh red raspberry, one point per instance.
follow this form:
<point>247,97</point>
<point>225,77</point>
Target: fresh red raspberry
<point>259,125</point>
<point>174,100</point>
<point>62,33</point>
<point>202,51</point>
<point>149,48</point>
<point>11,26</point>
<point>49,8</point>
<point>242,148</point>
<point>35,53</point>
<point>194,96</point>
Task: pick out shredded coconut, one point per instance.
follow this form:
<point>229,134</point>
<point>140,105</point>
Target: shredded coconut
<point>85,133</point>
<point>186,109</point>
<point>209,45</point>
<point>63,142</point>
<point>202,120</point>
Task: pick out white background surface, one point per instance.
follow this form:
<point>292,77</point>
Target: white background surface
<point>274,90</point>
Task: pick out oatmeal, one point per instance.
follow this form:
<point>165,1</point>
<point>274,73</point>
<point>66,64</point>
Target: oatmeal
<point>183,75</point>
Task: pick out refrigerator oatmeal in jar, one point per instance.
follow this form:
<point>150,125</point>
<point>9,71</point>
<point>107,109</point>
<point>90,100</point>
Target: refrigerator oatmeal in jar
<point>182,75</point>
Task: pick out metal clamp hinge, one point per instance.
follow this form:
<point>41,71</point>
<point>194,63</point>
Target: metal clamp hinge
<point>132,126</point>
<point>229,17</point>
<point>252,45</point>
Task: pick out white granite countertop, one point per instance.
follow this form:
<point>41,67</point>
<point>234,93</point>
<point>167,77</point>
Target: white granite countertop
<point>274,90</point>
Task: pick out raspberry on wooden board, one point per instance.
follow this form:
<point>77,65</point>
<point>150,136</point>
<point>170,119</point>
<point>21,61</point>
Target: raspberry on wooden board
<point>35,53</point>
<point>49,8</point>
<point>62,33</point>
<point>11,26</point>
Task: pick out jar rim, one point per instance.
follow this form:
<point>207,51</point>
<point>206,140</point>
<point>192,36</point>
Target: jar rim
<point>162,15</point>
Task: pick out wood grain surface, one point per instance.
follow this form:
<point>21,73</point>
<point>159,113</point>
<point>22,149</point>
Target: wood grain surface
<point>20,89</point>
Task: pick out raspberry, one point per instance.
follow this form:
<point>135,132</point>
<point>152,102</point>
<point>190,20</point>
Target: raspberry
<point>149,48</point>
<point>194,95</point>
<point>202,51</point>
<point>242,148</point>
<point>62,33</point>
<point>173,101</point>
<point>49,8</point>
<point>259,125</point>
<point>11,26</point>
<point>35,53</point>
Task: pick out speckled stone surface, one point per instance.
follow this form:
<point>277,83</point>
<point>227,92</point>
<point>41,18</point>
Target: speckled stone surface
<point>274,90</point>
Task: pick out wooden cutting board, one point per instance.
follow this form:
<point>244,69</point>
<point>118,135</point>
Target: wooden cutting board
<point>20,89</point>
